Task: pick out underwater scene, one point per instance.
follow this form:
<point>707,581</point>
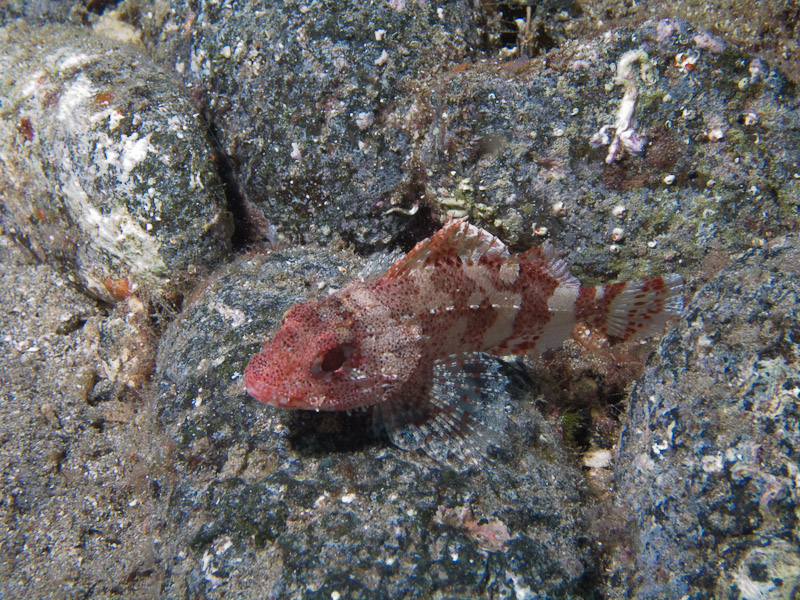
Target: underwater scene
<point>399,299</point>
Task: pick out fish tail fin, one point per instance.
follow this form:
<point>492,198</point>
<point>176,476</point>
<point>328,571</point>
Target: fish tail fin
<point>635,308</point>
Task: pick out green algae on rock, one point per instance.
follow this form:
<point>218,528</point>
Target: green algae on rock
<point>105,168</point>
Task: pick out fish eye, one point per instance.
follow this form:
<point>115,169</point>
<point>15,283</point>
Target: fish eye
<point>331,360</point>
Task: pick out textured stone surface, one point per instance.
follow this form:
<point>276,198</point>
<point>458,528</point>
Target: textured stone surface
<point>105,169</point>
<point>707,465</point>
<point>45,11</point>
<point>299,94</point>
<point>346,149</point>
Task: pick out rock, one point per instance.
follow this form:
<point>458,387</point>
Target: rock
<point>37,11</point>
<point>653,147</point>
<point>299,93</point>
<point>105,167</point>
<point>707,465</point>
<point>299,503</point>
<point>693,138</point>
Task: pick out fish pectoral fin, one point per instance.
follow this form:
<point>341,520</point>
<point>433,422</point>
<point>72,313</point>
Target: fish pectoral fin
<point>461,413</point>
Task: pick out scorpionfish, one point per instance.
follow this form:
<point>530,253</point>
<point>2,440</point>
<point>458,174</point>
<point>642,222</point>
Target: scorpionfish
<point>414,342</point>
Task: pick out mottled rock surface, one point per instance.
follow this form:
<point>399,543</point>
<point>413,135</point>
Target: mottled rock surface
<point>707,464</point>
<point>43,11</point>
<point>105,167</point>
<point>300,93</point>
<point>343,148</point>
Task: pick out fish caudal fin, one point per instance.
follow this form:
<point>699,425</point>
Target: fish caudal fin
<point>636,308</point>
<point>462,414</point>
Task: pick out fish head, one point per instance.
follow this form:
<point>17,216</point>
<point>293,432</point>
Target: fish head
<point>326,356</point>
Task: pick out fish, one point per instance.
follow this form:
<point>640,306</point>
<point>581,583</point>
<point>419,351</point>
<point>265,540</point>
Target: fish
<point>418,343</point>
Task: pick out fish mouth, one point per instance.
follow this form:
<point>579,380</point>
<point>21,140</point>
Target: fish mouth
<point>257,379</point>
<point>273,398</point>
<point>258,389</point>
<point>269,395</point>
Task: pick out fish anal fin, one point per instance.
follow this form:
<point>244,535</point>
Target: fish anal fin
<point>462,414</point>
<point>456,241</point>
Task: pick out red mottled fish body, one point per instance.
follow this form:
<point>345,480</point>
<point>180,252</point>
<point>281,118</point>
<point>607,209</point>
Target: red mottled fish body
<point>407,341</point>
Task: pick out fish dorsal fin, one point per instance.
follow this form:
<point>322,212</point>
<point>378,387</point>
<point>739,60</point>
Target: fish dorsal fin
<point>378,263</point>
<point>552,263</point>
<point>462,414</point>
<point>457,240</point>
